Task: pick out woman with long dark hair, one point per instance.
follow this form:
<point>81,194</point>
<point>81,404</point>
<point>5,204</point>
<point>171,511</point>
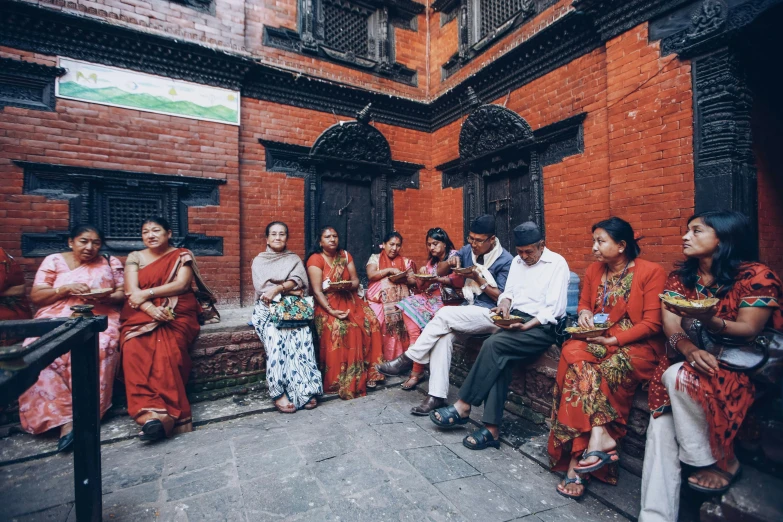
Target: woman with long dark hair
<point>420,308</point>
<point>596,378</point>
<point>348,331</point>
<point>291,372</point>
<point>79,276</point>
<point>698,405</point>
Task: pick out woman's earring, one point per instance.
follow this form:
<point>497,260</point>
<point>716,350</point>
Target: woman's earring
<point>621,250</point>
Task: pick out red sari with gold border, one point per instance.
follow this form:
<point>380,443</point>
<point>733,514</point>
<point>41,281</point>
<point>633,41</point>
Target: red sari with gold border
<point>155,359</point>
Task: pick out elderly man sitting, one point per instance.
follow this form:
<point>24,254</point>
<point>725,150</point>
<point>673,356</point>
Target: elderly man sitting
<point>491,264</point>
<point>536,290</point>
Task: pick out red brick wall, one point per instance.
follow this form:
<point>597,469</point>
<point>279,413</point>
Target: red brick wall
<point>637,161</point>
<point>96,136</point>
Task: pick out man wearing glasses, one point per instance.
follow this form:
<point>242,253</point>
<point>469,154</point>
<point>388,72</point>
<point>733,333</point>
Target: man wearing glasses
<point>491,263</point>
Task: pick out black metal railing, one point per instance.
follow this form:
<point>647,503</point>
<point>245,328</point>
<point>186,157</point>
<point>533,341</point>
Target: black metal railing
<point>19,369</point>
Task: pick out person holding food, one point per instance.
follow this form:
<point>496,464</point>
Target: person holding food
<point>391,275</point>
<point>615,347</point>
<point>280,281</point>
<point>348,332</point>
<point>419,309</point>
<point>159,323</point>
<point>698,405</point>
<point>488,263</point>
<point>80,276</point>
<point>528,310</point>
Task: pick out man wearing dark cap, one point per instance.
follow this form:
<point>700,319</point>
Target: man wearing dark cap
<point>536,290</point>
<point>490,262</point>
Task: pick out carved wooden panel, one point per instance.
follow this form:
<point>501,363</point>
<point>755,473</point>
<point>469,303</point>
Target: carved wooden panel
<point>27,85</point>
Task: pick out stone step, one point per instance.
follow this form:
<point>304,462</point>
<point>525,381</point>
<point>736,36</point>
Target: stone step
<point>755,497</point>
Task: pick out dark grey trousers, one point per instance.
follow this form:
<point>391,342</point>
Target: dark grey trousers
<point>490,377</point>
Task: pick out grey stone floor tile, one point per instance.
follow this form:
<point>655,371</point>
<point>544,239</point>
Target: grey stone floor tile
<point>536,493</point>
<point>127,472</point>
<point>185,457</point>
<point>35,486</point>
<point>126,502</point>
<point>587,510</point>
<point>487,460</point>
<point>324,514</point>
<point>406,435</point>
<point>252,466</point>
<point>282,495</point>
<point>480,499</point>
<point>626,495</point>
<point>317,449</point>
<point>348,474</point>
<point>55,514</point>
<point>224,505</point>
<point>380,503</point>
<point>393,462</point>
<point>439,463</point>
<point>260,442</point>
<point>428,499</point>
<point>445,436</point>
<point>197,482</point>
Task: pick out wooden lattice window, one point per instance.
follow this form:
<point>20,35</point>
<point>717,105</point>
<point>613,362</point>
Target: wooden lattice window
<point>494,13</point>
<point>346,27</point>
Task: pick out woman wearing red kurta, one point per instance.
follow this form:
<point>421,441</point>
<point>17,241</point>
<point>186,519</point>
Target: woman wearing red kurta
<point>159,323</point>
<point>348,331</point>
<point>697,405</point>
<point>596,380</point>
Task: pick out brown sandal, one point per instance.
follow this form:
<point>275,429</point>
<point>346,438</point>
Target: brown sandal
<point>416,378</point>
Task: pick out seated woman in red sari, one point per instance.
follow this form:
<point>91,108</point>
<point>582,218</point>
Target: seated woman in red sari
<point>348,331</point>
<point>698,405</point>
<point>419,309</point>
<point>13,302</point>
<point>596,379</point>
<point>384,294</point>
<point>61,282</point>
<point>159,323</point>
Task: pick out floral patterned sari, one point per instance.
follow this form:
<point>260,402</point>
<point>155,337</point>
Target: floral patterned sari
<point>383,296</point>
<point>47,403</point>
<point>595,384</point>
<point>349,348</point>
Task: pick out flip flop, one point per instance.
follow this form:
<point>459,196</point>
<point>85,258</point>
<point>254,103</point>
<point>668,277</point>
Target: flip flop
<point>579,481</point>
<point>311,404</point>
<point>153,430</point>
<point>418,377</point>
<point>483,438</point>
<point>449,417</point>
<point>725,474</point>
<point>606,457</point>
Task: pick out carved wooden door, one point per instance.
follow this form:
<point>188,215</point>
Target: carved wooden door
<point>507,197</point>
<point>347,206</point>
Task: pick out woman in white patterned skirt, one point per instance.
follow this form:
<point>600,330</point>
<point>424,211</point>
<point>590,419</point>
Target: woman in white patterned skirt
<point>292,374</point>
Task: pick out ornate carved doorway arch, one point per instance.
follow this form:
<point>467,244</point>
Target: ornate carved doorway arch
<point>498,166</point>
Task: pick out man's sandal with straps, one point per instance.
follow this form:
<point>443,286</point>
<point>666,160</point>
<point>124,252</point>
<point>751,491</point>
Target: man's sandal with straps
<point>730,478</point>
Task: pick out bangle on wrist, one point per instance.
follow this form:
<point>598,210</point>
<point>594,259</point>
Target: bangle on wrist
<point>675,338</point>
<point>720,330</point>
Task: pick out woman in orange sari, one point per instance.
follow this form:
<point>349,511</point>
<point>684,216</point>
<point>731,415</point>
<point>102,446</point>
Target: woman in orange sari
<point>348,331</point>
<point>384,295</point>
<point>62,281</point>
<point>596,380</point>
<point>159,323</point>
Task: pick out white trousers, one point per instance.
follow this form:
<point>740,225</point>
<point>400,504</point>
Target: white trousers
<point>436,341</point>
<point>679,436</point>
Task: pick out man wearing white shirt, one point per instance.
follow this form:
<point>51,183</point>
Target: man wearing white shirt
<point>536,289</point>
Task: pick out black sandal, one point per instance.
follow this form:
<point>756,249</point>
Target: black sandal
<point>449,417</point>
<point>725,474</point>
<point>153,430</point>
<point>483,438</point>
<point>579,481</point>
<point>605,457</point>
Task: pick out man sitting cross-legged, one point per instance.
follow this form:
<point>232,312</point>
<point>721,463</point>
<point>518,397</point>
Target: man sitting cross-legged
<point>536,290</point>
<point>491,264</point>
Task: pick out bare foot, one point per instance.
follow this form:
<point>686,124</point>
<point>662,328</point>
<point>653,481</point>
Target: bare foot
<point>599,441</point>
<point>65,429</point>
<point>462,407</point>
<point>709,478</point>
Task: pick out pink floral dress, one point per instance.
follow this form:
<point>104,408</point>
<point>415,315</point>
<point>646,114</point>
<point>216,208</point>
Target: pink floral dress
<point>47,404</point>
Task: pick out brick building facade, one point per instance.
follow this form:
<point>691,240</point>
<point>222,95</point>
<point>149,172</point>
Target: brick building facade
<point>622,121</point>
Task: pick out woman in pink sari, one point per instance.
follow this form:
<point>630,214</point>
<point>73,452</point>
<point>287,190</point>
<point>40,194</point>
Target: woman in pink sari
<point>383,294</point>
<point>61,282</point>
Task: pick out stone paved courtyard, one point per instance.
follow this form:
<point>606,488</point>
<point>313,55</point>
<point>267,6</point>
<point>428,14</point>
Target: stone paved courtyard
<point>366,459</point>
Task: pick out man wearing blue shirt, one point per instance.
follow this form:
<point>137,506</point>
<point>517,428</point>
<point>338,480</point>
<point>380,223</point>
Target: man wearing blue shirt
<point>491,264</point>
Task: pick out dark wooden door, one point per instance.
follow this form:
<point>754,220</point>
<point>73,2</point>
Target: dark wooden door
<point>507,197</point>
<point>347,206</point>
